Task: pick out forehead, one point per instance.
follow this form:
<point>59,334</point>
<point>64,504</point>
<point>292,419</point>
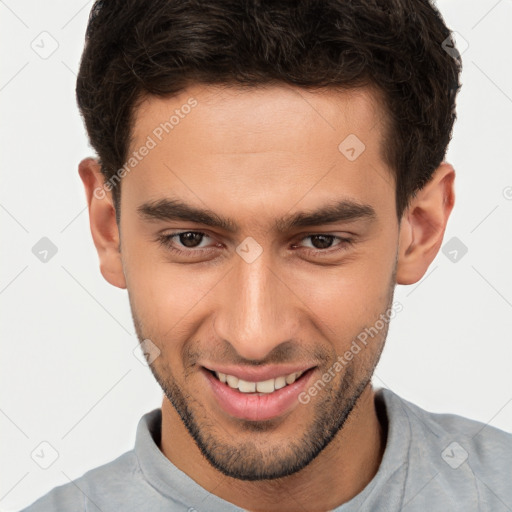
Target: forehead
<point>268,108</point>
<point>261,142</point>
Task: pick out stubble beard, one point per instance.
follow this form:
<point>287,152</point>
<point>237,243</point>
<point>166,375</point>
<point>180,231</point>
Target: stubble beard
<point>257,459</point>
<point>249,460</point>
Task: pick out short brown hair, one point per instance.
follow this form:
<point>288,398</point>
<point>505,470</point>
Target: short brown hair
<point>136,48</point>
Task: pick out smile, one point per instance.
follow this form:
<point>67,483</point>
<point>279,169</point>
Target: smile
<point>257,400</point>
<point>261,387</point>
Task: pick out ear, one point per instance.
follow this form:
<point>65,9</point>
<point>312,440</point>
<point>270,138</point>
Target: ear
<point>102,218</point>
<point>423,225</point>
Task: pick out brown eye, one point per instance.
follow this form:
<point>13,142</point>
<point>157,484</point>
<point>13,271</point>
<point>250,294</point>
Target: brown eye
<point>322,241</point>
<point>190,239</point>
<point>183,242</point>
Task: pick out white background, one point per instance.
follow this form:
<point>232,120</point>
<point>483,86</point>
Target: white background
<point>69,375</point>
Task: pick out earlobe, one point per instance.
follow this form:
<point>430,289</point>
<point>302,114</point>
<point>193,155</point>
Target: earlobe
<point>102,220</point>
<point>423,225</point>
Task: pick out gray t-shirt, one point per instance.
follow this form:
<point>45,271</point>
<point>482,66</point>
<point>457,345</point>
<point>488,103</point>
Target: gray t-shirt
<point>432,462</point>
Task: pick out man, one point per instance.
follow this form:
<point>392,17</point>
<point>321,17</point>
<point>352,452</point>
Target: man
<point>268,171</point>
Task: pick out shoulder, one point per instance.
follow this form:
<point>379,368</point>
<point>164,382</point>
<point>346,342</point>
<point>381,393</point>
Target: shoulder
<point>463,458</point>
<point>483,440</point>
<point>79,494</point>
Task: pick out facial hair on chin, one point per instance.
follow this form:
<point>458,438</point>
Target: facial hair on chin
<point>248,460</point>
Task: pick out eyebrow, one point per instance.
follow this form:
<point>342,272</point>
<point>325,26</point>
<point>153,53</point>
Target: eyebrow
<point>171,209</point>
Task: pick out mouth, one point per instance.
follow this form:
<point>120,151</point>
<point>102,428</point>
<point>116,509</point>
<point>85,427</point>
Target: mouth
<point>262,387</point>
<point>257,400</point>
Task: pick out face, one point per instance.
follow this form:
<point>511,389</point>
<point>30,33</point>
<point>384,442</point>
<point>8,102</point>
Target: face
<point>250,242</point>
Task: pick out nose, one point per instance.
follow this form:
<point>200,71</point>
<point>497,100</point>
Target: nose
<point>258,310</point>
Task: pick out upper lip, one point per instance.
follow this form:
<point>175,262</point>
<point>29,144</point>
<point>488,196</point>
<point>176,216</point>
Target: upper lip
<point>258,374</point>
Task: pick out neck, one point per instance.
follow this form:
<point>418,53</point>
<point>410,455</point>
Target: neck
<point>340,472</point>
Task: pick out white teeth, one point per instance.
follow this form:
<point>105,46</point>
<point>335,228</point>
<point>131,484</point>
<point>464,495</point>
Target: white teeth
<point>265,386</point>
<point>280,382</point>
<point>246,387</point>
<point>232,381</point>
<point>290,379</point>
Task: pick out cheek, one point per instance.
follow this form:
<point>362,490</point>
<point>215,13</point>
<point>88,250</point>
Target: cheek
<point>165,296</point>
<point>347,298</point>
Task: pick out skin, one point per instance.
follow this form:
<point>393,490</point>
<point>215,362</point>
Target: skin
<point>255,156</point>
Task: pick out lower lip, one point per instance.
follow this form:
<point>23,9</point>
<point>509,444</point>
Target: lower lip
<point>254,407</point>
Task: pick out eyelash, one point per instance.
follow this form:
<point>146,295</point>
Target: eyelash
<point>167,239</point>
